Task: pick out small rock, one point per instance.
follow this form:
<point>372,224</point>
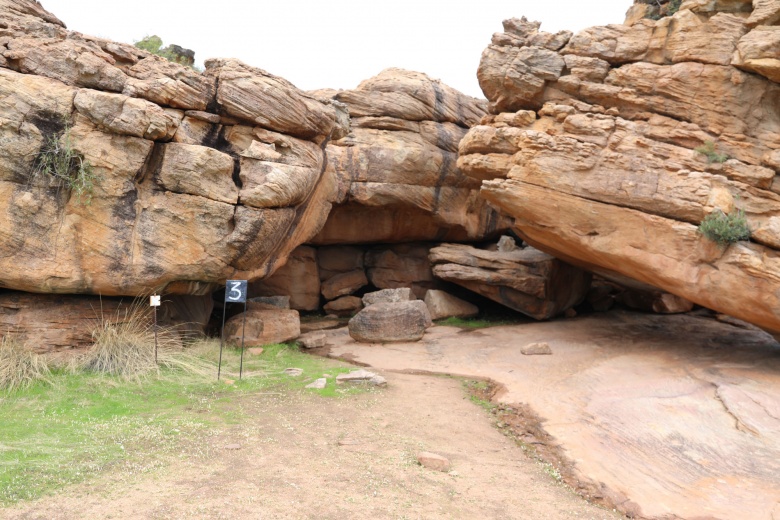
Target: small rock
<point>401,294</point>
<point>344,306</point>
<point>312,340</point>
<point>570,313</point>
<point>255,351</point>
<point>377,381</point>
<point>293,372</point>
<point>233,447</point>
<point>536,349</point>
<point>444,305</point>
<point>229,381</point>
<point>362,376</point>
<point>318,384</point>
<point>433,461</point>
<point>506,244</point>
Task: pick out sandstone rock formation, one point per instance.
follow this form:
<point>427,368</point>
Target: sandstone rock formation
<point>55,323</point>
<point>197,177</point>
<point>397,167</point>
<point>299,278</point>
<point>592,147</point>
<point>390,322</point>
<point>525,280</point>
<point>444,305</point>
<point>263,327</point>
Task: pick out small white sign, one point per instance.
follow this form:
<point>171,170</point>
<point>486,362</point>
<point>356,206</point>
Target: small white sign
<point>154,301</point>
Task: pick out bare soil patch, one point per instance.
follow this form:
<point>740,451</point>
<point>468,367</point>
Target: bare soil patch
<point>297,455</point>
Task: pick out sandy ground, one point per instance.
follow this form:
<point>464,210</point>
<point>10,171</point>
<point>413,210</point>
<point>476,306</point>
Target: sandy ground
<point>303,456</point>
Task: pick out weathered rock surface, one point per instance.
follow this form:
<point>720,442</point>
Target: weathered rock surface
<point>299,279</point>
<point>61,323</point>
<point>237,190</point>
<point>344,306</point>
<point>592,148</point>
<point>263,327</point>
<point>399,266</point>
<point>344,284</point>
<point>402,294</point>
<point>444,305</point>
<point>397,167</point>
<point>658,416</point>
<point>525,280</point>
<point>390,322</point>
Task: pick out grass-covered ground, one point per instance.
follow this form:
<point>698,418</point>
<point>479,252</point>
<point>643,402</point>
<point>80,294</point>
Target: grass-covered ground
<point>80,424</point>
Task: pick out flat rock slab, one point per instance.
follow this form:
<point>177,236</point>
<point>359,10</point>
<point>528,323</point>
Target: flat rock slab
<point>661,415</point>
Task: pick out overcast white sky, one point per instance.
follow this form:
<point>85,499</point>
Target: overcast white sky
<point>333,43</point>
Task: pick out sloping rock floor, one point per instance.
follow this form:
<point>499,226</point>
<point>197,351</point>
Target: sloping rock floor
<point>663,417</point>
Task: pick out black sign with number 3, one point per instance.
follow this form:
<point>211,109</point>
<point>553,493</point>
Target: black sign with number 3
<point>235,291</point>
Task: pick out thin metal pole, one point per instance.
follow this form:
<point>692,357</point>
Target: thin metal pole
<point>221,339</point>
<point>243,330</point>
<point>155,336</point>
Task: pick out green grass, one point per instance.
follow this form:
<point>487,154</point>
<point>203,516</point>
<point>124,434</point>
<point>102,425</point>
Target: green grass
<point>477,392</point>
<point>475,323</point>
<point>84,424</point>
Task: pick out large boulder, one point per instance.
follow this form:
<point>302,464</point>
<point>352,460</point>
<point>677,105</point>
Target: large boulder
<point>263,327</point>
<point>397,167</point>
<point>442,305</point>
<point>611,146</point>
<point>390,322</point>
<point>526,280</point>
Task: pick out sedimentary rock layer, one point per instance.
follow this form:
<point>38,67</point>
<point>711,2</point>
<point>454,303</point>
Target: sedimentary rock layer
<point>610,147</point>
<point>525,280</point>
<point>196,177</point>
<point>397,167</point>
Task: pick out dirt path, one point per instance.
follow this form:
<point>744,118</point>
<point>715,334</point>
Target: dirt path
<point>303,456</point>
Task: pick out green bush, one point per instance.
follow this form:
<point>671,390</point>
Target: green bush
<point>59,161</point>
<point>708,149</point>
<point>673,7</point>
<point>172,53</point>
<point>725,228</point>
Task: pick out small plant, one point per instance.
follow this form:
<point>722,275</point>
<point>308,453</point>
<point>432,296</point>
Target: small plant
<point>20,367</point>
<point>725,228</point>
<point>172,53</point>
<point>708,149</point>
<point>59,161</point>
<point>673,7</point>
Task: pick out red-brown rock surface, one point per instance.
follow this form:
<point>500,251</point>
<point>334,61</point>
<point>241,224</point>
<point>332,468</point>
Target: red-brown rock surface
<point>199,177</point>
<point>592,147</point>
<point>397,167</point>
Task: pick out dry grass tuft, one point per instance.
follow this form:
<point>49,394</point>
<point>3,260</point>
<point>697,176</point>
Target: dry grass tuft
<point>20,367</point>
<point>123,346</point>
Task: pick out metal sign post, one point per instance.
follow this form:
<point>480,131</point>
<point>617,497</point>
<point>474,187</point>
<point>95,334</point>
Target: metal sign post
<point>154,301</point>
<point>235,292</point>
